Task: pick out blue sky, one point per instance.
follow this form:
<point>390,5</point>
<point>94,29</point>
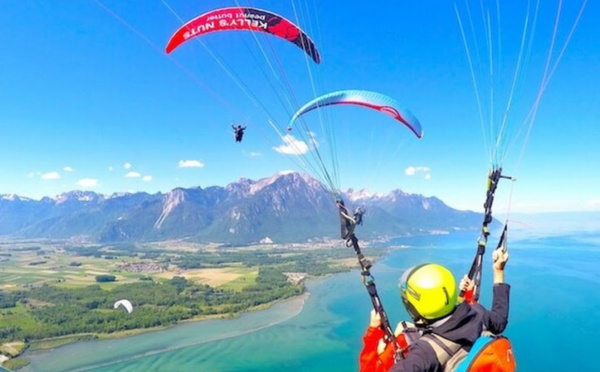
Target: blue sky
<point>89,100</point>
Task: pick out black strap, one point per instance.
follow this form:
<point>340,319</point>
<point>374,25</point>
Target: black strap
<point>441,344</point>
<point>502,242</point>
<point>443,348</point>
<point>475,272</point>
<point>348,225</point>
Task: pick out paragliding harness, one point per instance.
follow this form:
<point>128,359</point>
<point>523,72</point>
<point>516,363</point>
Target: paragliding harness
<point>348,223</point>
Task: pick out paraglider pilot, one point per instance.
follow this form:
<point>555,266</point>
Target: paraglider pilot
<point>238,132</point>
<point>429,294</point>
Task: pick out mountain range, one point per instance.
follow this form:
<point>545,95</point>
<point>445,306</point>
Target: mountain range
<point>287,207</point>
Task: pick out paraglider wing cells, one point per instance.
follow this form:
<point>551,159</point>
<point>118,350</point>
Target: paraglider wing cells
<point>373,100</point>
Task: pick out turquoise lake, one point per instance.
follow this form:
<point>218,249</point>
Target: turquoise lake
<point>554,313</point>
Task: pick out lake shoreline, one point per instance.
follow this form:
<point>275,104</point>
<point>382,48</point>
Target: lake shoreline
<point>50,344</point>
<point>201,318</point>
<point>55,343</point>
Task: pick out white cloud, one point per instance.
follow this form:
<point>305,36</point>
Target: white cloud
<point>68,169</point>
<point>50,176</point>
<point>87,182</point>
<point>147,178</point>
<point>594,203</point>
<point>413,170</point>
<point>110,169</point>
<point>190,164</point>
<point>292,146</point>
<point>127,165</point>
<point>254,154</point>
<point>133,175</point>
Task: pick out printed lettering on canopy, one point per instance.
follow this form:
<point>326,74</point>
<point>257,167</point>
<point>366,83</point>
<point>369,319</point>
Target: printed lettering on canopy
<point>250,19</point>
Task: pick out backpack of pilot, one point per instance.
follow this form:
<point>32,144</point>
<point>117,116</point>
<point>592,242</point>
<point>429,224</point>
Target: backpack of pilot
<point>489,354</point>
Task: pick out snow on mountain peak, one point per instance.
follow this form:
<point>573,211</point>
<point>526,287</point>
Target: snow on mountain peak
<point>118,195</point>
<point>284,172</point>
<point>81,196</point>
<point>362,194</point>
<point>14,197</point>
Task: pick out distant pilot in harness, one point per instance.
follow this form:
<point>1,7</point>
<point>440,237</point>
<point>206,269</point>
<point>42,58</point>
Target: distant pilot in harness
<point>238,132</point>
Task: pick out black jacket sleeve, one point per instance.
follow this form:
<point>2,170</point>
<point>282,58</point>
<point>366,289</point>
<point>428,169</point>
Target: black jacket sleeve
<point>496,319</point>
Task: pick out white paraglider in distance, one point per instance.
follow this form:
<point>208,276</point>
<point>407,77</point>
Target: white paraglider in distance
<point>125,303</point>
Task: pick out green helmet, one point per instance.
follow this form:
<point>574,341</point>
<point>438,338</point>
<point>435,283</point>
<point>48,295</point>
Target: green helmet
<point>428,292</point>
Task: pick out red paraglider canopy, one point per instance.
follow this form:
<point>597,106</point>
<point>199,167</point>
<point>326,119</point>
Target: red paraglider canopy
<point>238,18</point>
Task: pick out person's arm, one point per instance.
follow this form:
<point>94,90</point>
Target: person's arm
<point>369,358</point>
<point>500,258</point>
<point>496,319</point>
<point>421,356</point>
